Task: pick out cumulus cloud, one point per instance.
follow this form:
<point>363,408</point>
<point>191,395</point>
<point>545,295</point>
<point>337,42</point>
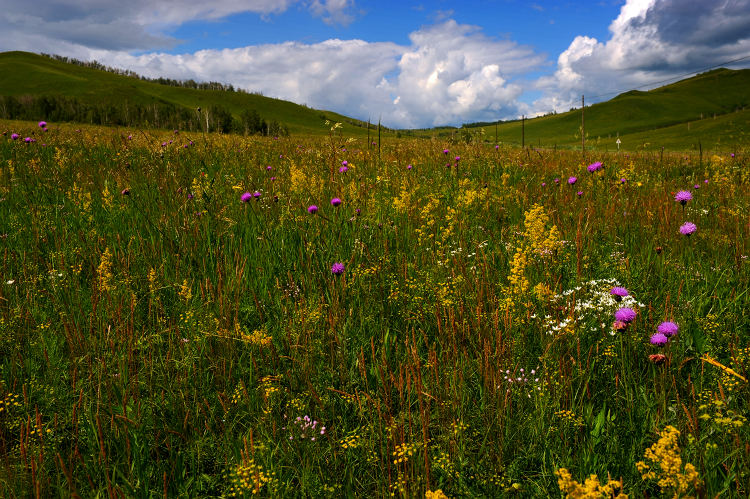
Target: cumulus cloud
<point>650,40</point>
<point>135,24</point>
<point>449,74</point>
<point>453,73</point>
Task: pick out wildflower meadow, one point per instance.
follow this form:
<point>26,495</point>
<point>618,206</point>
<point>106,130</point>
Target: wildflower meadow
<point>203,315</point>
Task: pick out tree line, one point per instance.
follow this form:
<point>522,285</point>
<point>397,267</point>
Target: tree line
<point>154,115</point>
<point>195,85</point>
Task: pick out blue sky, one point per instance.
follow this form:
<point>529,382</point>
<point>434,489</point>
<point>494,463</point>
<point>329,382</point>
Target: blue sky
<point>415,64</point>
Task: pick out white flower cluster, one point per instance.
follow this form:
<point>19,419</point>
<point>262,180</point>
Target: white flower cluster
<point>593,302</point>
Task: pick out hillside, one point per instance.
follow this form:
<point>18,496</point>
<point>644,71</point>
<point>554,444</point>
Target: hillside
<point>712,109</point>
<point>662,113</point>
<point>26,74</point>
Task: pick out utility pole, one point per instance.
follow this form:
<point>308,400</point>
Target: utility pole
<point>583,130</point>
<point>378,139</point>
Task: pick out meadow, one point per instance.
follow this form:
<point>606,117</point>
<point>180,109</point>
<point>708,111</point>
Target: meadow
<point>203,315</point>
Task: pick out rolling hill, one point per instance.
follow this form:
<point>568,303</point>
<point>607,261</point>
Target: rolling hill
<point>26,74</point>
<point>708,110</point>
<point>712,107</point>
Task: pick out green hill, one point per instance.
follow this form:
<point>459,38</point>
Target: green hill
<point>716,104</point>
<point>23,74</point>
<point>712,108</point>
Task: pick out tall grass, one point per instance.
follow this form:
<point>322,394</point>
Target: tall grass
<point>160,337</point>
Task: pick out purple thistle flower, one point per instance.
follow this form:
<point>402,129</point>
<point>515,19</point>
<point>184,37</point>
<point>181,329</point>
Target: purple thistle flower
<point>618,293</point>
<point>458,158</point>
<point>544,184</point>
<point>268,168</point>
<point>445,151</point>
<point>343,169</point>
<point>659,339</point>
<point>688,228</point>
<point>312,209</point>
<point>42,124</point>
<point>668,328</point>
<point>408,167</point>
<point>256,194</point>
<point>572,180</point>
<point>337,268</point>
<point>336,202</point>
<point>246,197</point>
<point>345,163</point>
<point>557,180</point>
<point>697,186</point>
<point>497,147</point>
<point>14,136</point>
<point>125,192</point>
<point>623,180</point>
<point>579,193</point>
<point>625,314</point>
<point>683,197</point>
<point>595,167</point>
<point>28,139</point>
<point>130,137</point>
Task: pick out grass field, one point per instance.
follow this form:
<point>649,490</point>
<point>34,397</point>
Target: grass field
<point>198,316</point>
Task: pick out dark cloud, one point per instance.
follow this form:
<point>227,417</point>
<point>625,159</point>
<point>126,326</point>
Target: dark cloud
<point>651,40</point>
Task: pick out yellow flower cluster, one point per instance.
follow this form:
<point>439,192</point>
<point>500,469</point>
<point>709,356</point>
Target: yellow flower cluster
<point>251,478</point>
<point>443,461</point>
<point>538,240</point>
<point>403,452</point>
<point>466,196</point>
<point>80,197</point>
<point>104,271</point>
<point>268,385</point>
<point>258,338</point>
<point>239,391</point>
<point>438,494</point>
<point>726,419</point>
<point>351,441</point>
<point>458,427</point>
<point>569,417</point>
<point>591,488</point>
<point>10,400</point>
<point>151,281</point>
<point>402,203</point>
<point>185,293</point>
<point>664,464</point>
<point>108,198</point>
<point>519,285</point>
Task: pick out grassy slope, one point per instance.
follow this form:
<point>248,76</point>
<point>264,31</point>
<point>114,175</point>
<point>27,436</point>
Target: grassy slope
<point>657,116</point>
<point>22,73</point>
<point>650,119</point>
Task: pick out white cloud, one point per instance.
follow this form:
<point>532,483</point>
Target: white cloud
<point>651,40</point>
<point>449,74</point>
<point>135,24</point>
<point>333,11</point>
<point>453,73</point>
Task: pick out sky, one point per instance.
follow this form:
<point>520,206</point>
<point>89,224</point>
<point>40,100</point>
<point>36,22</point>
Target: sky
<point>408,64</point>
